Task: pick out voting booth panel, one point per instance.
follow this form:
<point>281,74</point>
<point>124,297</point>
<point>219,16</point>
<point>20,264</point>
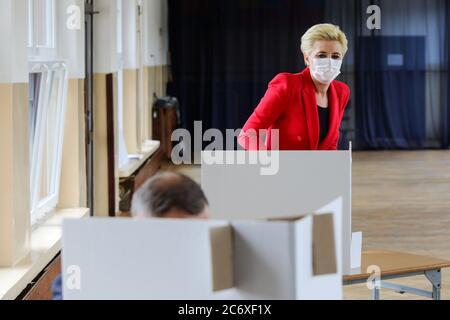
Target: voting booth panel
<point>182,259</point>
<point>144,259</point>
<point>287,260</point>
<point>279,183</point>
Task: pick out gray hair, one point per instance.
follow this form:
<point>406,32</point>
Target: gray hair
<point>167,191</point>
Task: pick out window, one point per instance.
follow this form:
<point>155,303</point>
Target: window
<point>47,95</point>
<point>41,33</point>
<point>123,153</point>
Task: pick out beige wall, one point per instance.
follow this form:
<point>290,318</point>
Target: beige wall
<point>137,109</point>
<point>101,146</point>
<point>137,123</point>
<point>73,167</point>
<point>14,173</point>
<point>14,166</point>
<point>130,114</point>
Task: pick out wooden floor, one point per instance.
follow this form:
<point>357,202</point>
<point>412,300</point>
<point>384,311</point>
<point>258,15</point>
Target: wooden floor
<point>401,201</point>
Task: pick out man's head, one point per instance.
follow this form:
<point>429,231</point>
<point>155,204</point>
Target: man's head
<point>170,195</point>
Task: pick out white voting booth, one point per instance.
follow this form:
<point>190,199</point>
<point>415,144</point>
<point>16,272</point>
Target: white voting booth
<point>281,229</point>
<point>286,258</point>
<point>258,185</point>
<point>137,259</point>
<point>289,260</point>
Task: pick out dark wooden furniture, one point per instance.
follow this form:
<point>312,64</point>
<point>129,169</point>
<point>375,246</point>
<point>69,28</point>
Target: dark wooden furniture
<point>129,183</point>
<point>164,122</point>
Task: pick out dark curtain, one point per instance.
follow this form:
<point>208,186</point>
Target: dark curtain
<point>391,92</point>
<point>224,53</point>
<point>446,118</point>
<point>401,76</point>
<point>398,75</point>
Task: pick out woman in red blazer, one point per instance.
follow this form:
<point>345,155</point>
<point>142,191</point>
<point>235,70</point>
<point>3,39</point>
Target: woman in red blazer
<point>307,107</point>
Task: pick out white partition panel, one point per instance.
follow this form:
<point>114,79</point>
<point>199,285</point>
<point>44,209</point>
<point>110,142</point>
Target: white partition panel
<point>117,258</point>
<point>256,185</point>
<point>192,259</point>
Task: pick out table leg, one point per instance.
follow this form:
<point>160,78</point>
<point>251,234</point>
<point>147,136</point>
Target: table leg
<point>376,293</point>
<point>434,276</point>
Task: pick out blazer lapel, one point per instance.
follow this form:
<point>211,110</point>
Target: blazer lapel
<point>310,108</point>
<point>333,105</point>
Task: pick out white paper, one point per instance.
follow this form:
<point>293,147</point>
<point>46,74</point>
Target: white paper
<point>356,250</point>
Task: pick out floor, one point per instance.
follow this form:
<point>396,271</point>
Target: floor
<point>400,201</point>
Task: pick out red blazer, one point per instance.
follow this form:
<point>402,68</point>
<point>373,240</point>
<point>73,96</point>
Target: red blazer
<point>290,105</point>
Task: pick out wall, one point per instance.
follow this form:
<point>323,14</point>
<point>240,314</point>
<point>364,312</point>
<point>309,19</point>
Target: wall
<point>14,161</point>
<point>71,47</point>
<point>71,42</point>
<point>14,37</point>
<point>15,229</point>
<point>105,62</point>
<point>73,192</point>
<point>144,59</point>
<point>105,40</point>
<point>156,54</point>
<point>156,32</point>
<point>14,173</point>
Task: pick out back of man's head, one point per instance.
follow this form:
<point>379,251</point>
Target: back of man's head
<point>170,195</point>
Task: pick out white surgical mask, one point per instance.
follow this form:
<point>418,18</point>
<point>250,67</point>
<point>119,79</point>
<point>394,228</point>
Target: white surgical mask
<point>326,70</point>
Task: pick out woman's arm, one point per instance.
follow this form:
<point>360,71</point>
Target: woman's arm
<point>334,145</point>
<point>266,113</point>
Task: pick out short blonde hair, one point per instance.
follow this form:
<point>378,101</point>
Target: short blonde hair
<point>325,31</point>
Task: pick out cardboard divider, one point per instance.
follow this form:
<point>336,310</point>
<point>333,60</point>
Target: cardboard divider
<point>324,253</point>
<point>287,219</point>
<point>221,241</point>
<point>283,258</point>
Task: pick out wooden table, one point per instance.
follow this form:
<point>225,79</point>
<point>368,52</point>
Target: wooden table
<point>394,265</point>
<point>137,171</point>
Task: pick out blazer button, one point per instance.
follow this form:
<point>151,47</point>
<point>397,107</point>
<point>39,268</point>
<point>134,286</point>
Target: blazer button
<point>299,138</point>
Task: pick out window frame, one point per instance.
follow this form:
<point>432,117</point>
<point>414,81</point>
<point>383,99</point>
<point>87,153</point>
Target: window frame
<point>47,51</point>
<point>40,209</point>
<point>122,150</point>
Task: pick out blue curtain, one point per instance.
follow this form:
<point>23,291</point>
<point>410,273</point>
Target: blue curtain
<point>391,92</point>
<point>446,118</point>
<point>398,75</point>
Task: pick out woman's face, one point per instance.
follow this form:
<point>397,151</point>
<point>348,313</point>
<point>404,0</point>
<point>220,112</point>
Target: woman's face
<point>324,49</point>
